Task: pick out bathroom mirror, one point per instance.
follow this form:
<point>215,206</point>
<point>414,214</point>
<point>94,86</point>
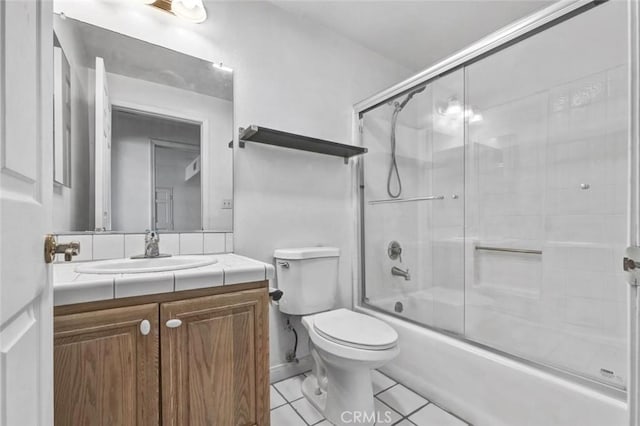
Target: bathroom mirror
<point>141,135</point>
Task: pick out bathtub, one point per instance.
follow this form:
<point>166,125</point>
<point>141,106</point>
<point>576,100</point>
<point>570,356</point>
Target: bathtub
<point>489,389</point>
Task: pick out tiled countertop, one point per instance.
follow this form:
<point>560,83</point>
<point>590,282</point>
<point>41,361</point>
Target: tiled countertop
<point>72,287</point>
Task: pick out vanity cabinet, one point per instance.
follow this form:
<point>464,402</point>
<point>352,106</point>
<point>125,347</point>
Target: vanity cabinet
<point>105,368</point>
<point>213,363</point>
<point>213,347</point>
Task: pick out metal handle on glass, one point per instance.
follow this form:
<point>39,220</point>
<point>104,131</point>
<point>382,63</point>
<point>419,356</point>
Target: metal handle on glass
<point>509,250</point>
<point>407,200</point>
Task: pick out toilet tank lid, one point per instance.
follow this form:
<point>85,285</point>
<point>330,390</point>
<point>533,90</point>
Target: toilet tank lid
<point>306,253</point>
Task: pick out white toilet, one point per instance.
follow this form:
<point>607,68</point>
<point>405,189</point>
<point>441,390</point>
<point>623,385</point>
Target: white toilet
<point>346,344</point>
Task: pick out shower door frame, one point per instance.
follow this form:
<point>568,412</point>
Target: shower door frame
<point>540,21</point>
<point>633,392</point>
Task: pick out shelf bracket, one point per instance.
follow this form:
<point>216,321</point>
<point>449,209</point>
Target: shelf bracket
<point>246,134</point>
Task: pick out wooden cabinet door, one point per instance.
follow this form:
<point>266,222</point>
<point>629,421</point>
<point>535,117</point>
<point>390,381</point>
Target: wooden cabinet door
<point>106,368</point>
<point>215,364</point>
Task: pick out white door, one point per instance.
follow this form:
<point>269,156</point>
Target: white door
<point>164,209</point>
<point>103,149</point>
<point>26,182</point>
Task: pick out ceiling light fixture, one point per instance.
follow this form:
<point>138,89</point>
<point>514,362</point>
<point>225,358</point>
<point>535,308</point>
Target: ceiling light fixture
<point>190,10</point>
<point>476,118</point>
<point>453,106</point>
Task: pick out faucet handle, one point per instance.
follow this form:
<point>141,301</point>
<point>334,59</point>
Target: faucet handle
<point>394,251</point>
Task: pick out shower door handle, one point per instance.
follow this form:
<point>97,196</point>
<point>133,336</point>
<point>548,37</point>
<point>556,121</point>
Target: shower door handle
<point>631,265</point>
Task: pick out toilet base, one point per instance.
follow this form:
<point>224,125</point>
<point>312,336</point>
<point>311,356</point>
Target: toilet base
<point>341,404</point>
<point>310,391</point>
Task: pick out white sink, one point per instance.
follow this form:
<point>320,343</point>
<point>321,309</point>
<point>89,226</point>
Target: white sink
<point>140,266</point>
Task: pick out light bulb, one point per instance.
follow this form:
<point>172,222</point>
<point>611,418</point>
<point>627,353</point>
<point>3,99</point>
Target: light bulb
<point>190,10</point>
<point>189,4</point>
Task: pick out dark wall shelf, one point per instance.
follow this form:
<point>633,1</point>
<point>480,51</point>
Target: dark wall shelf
<point>267,136</point>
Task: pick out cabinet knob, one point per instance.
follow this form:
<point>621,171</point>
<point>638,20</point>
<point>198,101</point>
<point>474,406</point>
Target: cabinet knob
<point>145,327</point>
<point>173,323</point>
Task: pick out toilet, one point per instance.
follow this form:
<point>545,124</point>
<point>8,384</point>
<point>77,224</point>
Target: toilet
<point>346,345</point>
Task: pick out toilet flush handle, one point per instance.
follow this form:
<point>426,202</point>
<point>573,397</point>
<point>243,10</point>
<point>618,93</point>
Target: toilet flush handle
<point>284,264</point>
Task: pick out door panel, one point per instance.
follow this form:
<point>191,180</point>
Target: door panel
<point>215,365</point>
<point>164,208</point>
<point>106,370</point>
<point>26,119</point>
<point>18,342</point>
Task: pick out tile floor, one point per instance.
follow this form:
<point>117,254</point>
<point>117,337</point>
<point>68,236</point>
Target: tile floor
<point>393,401</point>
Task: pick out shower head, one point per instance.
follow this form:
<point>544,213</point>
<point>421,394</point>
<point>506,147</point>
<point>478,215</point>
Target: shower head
<point>401,105</point>
<point>393,169</point>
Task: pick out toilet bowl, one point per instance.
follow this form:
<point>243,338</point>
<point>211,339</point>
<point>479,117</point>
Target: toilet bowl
<point>346,345</point>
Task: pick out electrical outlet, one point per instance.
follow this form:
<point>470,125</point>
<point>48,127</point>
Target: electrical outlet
<point>227,204</point>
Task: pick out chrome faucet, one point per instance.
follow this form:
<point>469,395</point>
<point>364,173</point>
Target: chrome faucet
<point>400,273</point>
<point>151,240</point>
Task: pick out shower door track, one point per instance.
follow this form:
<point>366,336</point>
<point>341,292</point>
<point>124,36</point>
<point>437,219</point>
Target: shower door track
<point>520,30</point>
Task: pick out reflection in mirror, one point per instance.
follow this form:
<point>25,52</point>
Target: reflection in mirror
<point>155,162</point>
<point>62,117</point>
<point>141,135</point>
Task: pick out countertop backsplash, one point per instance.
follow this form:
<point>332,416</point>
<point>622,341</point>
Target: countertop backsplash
<point>114,245</point>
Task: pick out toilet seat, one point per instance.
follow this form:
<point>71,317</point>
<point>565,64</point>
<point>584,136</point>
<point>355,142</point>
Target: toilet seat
<point>355,330</point>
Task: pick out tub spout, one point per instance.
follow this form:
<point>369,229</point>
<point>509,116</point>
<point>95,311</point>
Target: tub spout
<point>400,273</point>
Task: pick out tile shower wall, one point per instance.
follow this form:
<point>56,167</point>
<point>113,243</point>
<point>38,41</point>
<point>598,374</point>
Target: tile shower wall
<point>115,245</point>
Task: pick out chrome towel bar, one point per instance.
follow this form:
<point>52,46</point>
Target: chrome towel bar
<point>509,250</point>
<point>407,200</point>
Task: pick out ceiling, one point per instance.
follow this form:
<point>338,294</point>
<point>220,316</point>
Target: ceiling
<point>415,34</point>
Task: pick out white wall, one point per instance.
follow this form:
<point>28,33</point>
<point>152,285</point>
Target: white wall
<point>290,74</point>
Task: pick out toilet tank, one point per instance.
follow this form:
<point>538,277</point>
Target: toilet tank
<point>308,278</point>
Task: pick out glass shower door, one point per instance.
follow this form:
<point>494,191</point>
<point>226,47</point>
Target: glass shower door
<point>547,197</point>
<point>413,205</point>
